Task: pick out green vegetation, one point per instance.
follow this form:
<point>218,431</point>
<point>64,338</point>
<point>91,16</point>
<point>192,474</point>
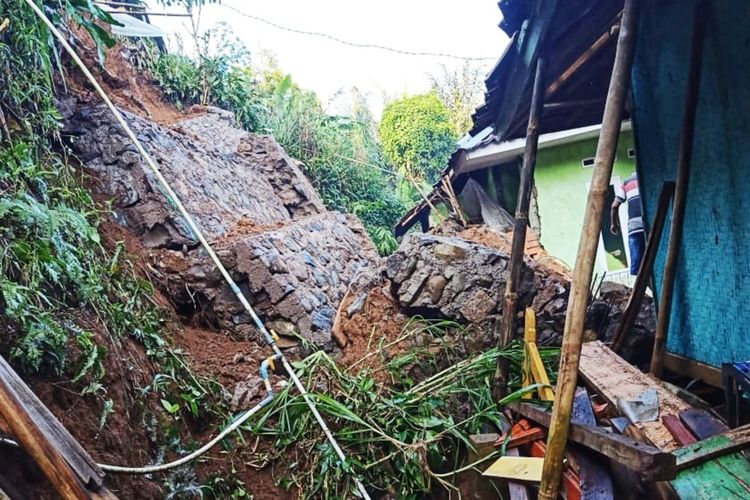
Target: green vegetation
<point>461,92</point>
<point>403,437</point>
<point>418,139</point>
<point>64,297</point>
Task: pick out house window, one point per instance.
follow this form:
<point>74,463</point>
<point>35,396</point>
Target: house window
<point>631,152</point>
<point>587,162</point>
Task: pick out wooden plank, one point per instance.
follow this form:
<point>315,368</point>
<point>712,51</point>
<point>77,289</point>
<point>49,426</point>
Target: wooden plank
<point>51,428</point>
<point>596,483</point>
<point>521,222</point>
<point>471,481</point>
<point>613,378</point>
<point>539,373</point>
<point>725,477</point>
<point>582,59</point>
<point>681,433</point>
<point>529,335</point>
<point>715,446</point>
<point>516,491</point>
<point>693,369</point>
<point>36,442</point>
<point>648,461</point>
<point>524,469</point>
<point>578,299</point>
<point>702,423</point>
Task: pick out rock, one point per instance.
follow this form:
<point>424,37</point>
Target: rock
<point>465,290</point>
<point>285,342</point>
<point>245,392</point>
<point>357,305</point>
<point>435,286</point>
<point>281,327</point>
<point>449,251</point>
<point>447,277</point>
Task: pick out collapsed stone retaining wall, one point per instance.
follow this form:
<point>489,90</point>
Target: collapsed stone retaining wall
<point>292,257</point>
<point>453,278</point>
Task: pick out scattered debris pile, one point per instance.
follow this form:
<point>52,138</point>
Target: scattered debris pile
<point>454,278</point>
<point>290,255</point>
<point>656,443</point>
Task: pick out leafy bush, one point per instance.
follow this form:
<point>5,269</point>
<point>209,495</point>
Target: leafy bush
<point>209,81</point>
<point>61,291</point>
<point>400,438</point>
<point>417,138</point>
<point>341,155</point>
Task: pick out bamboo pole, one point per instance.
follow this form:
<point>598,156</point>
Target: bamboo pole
<point>500,385</point>
<point>633,307</point>
<point>681,186</point>
<point>579,290</point>
<point>51,462</point>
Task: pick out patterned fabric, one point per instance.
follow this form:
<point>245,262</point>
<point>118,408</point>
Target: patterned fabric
<point>630,193</point>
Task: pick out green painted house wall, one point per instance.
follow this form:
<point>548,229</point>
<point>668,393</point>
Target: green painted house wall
<point>561,191</point>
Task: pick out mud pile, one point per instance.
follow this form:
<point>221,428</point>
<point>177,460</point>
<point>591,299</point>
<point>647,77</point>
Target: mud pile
<point>291,256</point>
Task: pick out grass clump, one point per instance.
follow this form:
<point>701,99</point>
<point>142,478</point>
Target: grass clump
<point>403,437</point>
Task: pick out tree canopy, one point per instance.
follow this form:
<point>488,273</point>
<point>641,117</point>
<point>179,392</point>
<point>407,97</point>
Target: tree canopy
<point>417,136</point>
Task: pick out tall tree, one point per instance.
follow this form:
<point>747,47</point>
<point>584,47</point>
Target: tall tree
<point>461,92</point>
<point>417,137</point>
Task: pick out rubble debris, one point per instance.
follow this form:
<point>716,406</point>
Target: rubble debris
<point>295,276</point>
<point>454,278</point>
<point>642,408</point>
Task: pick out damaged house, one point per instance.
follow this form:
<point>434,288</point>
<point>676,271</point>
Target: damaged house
<point>678,67</point>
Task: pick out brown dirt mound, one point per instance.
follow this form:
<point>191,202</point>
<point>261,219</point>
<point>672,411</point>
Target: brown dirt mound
<point>533,249</point>
<point>375,328</point>
<point>131,90</point>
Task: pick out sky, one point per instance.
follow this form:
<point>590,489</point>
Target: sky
<point>466,28</point>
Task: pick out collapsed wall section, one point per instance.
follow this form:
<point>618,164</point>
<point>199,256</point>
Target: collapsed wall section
<point>295,276</point>
<point>218,190</point>
<point>216,128</point>
<point>454,278</point>
<point>291,257</point>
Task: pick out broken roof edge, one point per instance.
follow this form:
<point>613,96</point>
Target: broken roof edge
<point>493,153</point>
<point>482,151</point>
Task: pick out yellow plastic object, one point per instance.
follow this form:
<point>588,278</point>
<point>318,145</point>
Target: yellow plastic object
<point>271,363</point>
<point>527,469</point>
<point>533,361</point>
<point>529,335</point>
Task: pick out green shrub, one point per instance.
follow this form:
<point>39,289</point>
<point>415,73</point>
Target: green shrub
<point>417,138</point>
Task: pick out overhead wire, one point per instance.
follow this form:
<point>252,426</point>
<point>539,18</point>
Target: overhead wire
<point>172,196</point>
<point>356,44</point>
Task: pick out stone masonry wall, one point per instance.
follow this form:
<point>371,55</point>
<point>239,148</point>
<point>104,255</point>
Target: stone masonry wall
<point>292,257</point>
<point>295,276</point>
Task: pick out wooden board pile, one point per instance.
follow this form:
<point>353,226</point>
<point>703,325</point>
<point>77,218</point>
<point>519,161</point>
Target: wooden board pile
<point>684,452</point>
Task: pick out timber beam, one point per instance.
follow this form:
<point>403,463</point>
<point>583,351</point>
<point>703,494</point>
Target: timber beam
<point>649,462</point>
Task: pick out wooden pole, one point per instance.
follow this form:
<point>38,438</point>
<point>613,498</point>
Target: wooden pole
<point>32,439</point>
<point>579,290</point>
<point>519,230</point>
<point>633,306</point>
<point>683,176</point>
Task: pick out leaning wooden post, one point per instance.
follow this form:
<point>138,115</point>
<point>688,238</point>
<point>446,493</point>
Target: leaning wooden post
<point>579,289</point>
<point>681,186</point>
<point>32,439</point>
<point>519,230</point>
